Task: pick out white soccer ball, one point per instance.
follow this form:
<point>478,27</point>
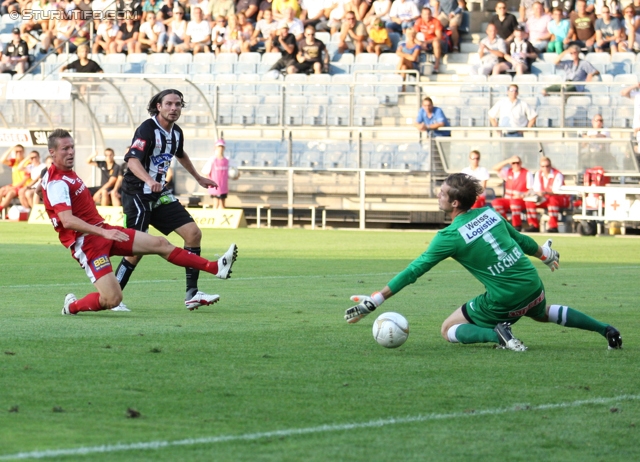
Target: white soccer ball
<point>234,174</point>
<point>390,330</point>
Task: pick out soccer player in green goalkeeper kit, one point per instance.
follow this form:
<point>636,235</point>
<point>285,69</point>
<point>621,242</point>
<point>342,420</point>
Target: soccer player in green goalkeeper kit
<point>495,254</point>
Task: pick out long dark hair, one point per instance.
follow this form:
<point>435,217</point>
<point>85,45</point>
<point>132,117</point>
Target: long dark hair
<point>152,108</point>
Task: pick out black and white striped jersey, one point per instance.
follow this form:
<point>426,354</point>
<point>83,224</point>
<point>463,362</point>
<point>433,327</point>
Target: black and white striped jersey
<point>154,147</point>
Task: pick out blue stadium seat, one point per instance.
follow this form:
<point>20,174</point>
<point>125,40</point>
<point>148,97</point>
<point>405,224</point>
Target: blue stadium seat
<point>294,110</point>
<point>388,91</point>
<point>340,110</point>
<point>316,84</point>
<point>316,111</point>
<point>364,110</point>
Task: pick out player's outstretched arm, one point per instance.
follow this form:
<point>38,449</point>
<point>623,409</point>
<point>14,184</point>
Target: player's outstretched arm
<point>203,181</point>
<point>365,305</point>
<point>549,256</point>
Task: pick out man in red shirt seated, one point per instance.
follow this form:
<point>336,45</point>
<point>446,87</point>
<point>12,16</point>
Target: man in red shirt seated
<point>545,182</point>
<point>518,182</point>
<point>429,35</point>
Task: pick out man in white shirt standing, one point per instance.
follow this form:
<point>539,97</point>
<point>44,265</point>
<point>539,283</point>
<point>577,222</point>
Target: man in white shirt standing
<point>481,174</point>
<point>512,114</point>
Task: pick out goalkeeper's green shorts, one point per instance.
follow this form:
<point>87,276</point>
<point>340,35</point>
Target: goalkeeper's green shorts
<point>484,312</point>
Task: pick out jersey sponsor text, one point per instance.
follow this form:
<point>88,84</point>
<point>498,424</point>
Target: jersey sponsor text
<point>474,229</point>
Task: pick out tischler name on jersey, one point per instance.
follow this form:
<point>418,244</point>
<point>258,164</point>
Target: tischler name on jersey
<point>476,228</point>
<point>160,159</point>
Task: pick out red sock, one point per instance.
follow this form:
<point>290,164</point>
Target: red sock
<point>89,303</point>
<point>181,257</point>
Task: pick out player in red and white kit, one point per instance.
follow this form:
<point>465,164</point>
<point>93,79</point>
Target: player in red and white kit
<point>545,182</point>
<point>518,184</point>
<point>82,230</point>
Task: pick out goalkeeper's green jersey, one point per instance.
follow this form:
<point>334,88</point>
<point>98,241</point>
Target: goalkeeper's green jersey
<point>490,248</point>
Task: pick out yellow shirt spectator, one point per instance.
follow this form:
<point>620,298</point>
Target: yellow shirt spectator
<point>278,6</point>
<point>379,35</point>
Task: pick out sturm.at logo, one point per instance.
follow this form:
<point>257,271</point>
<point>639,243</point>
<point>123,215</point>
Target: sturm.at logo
<point>78,15</point>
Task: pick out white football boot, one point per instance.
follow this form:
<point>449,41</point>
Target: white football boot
<point>68,300</point>
<point>201,299</point>
<point>226,262</point>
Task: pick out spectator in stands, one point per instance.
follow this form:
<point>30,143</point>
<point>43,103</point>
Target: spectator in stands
<point>15,57</point>
<point>127,37</point>
<point>518,182</point>
<point>204,6</point>
<point>491,52</point>
<point>148,5</point>
<point>505,22</point>
<point>336,13</point>
<point>198,35</point>
<point>246,32</point>
<point>34,169</point>
<point>631,39</point>
<point>575,70</point>
<point>83,63</point>
<point>29,198</point>
<point>177,29</point>
<point>526,9</point>
<point>633,92</point>
<point>109,174</point>
<point>431,119</point>
<point>479,173</point>
<point>361,8</point>
<point>593,153</point>
<point>429,34</point>
<point>105,35</point>
<point>265,30</point>
<point>521,55</point>
<point>450,16</point>
<point>218,32</point>
<point>559,29</point>
<point>61,27</point>
<point>313,13</point>
<point>217,169</point>
<point>296,27</point>
<point>152,36</point>
<point>224,8</point>
<point>39,21</point>
<point>379,11</point>
<point>512,114</point>
<point>353,35</point>
<point>312,55</point>
<point>285,43</point>
<point>608,32</point>
<point>403,14</point>
<point>379,40</point>
<point>166,12</point>
<point>279,9</point>
<point>566,6</point>
<point>538,28</point>
<point>14,158</point>
<point>583,26</point>
<point>409,52</point>
<point>232,42</point>
<point>249,8</point>
<point>264,6</point>
<point>546,182</point>
<point>455,21</point>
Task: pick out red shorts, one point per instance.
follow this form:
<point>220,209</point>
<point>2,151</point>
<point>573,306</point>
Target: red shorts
<point>93,252</point>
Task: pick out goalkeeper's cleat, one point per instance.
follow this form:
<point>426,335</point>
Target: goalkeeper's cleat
<point>226,262</point>
<point>613,337</point>
<point>68,300</point>
<point>201,299</point>
<point>120,307</point>
<point>507,340</point>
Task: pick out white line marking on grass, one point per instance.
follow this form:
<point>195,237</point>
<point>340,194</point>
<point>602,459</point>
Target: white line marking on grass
<point>296,276</point>
<point>305,431</point>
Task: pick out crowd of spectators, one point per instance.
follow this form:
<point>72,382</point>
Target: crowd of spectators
<point>234,26</point>
<point>513,44</point>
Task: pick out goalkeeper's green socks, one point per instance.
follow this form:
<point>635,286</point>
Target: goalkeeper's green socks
<point>470,333</point>
<point>569,317</point>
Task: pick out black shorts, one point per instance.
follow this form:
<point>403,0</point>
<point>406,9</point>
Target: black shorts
<point>165,217</point>
<point>220,196</point>
<point>305,67</point>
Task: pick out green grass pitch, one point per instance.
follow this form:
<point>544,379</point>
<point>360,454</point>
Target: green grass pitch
<point>273,373</point>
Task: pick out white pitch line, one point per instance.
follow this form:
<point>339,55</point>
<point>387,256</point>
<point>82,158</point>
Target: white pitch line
<point>296,276</point>
<point>304,431</point>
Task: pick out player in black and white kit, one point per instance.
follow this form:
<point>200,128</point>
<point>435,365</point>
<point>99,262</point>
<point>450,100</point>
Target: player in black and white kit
<point>145,199</point>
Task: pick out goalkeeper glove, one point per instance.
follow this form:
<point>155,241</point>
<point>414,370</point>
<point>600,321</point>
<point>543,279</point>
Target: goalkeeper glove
<point>365,305</point>
<point>550,257</point>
